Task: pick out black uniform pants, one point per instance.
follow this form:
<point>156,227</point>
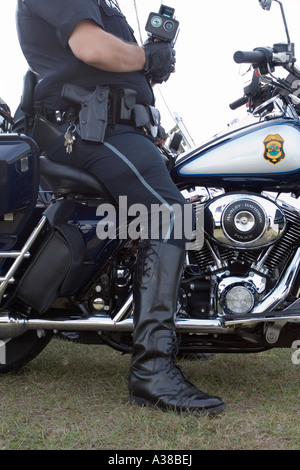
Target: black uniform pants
<point>131,166</point>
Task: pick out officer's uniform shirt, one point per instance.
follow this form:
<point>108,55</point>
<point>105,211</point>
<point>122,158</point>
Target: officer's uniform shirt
<point>44,28</point>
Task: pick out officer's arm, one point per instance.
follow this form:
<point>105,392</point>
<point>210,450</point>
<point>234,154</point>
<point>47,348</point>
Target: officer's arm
<point>104,51</point>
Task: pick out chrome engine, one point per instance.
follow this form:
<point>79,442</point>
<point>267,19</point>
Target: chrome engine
<point>249,245</point>
<point>244,222</point>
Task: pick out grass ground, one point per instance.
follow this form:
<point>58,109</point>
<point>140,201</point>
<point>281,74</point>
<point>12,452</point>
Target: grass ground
<point>75,397</point>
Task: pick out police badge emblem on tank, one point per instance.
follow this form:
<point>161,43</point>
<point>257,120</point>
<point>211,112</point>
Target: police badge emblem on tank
<point>274,151</point>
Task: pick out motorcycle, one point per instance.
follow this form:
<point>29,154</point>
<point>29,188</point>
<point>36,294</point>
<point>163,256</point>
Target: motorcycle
<point>240,287</point>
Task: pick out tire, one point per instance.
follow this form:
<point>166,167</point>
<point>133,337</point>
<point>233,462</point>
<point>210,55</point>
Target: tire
<point>17,352</point>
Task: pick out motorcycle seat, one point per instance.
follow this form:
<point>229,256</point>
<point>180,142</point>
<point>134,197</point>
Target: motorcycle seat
<point>64,179</point>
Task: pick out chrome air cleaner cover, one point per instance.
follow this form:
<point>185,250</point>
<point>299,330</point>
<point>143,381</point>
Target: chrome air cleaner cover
<point>244,221</point>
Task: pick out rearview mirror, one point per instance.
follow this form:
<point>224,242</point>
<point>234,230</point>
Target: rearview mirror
<point>265,4</point>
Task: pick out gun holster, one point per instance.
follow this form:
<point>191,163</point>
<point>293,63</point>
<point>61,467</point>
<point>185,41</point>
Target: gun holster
<point>93,115</point>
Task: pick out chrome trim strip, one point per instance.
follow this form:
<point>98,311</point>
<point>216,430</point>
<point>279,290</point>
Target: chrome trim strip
<point>20,256</point>
<point>12,254</point>
<point>124,310</point>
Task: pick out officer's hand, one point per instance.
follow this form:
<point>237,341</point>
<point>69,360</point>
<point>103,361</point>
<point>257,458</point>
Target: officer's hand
<point>160,60</point>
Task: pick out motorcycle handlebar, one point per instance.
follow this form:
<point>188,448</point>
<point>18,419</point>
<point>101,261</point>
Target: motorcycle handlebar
<point>250,57</point>
<point>238,103</point>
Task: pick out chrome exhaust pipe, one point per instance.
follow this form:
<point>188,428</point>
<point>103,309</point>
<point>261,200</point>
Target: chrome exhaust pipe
<point>280,293</point>
<point>12,327</point>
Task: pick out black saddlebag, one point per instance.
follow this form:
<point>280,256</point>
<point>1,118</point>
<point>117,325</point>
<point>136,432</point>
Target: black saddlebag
<point>19,173</point>
<point>19,184</point>
<point>54,269</point>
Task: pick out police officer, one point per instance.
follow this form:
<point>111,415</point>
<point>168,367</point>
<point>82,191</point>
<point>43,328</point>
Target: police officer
<point>89,43</point>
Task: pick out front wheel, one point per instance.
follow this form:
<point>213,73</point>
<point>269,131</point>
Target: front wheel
<point>17,352</point>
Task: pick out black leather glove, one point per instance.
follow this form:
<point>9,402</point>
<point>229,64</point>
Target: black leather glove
<point>160,60</point>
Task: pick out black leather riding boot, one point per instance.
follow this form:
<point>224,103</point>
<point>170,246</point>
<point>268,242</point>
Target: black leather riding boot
<point>155,379</point>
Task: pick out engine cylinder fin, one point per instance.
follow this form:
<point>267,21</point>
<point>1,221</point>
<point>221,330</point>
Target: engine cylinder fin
<point>283,248</point>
